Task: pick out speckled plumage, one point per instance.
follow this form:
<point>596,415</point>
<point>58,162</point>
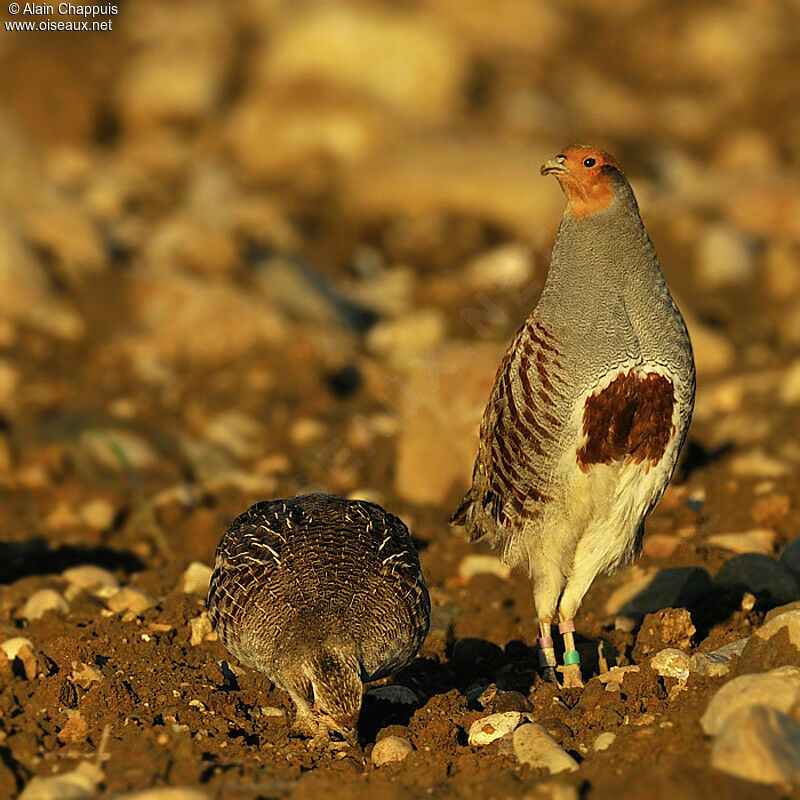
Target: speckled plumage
<point>591,403</point>
<point>321,594</point>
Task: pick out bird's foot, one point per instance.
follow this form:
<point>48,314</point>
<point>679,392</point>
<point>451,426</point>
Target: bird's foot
<point>571,676</point>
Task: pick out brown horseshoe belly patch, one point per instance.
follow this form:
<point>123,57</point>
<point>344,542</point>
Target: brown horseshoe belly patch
<point>631,417</point>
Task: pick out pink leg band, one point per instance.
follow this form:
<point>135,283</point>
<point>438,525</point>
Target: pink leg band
<point>546,642</point>
<point>568,626</point>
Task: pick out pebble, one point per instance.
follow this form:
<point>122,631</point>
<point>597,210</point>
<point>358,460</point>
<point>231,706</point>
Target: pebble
<point>202,630</point>
<point>713,352</point>
<point>778,688</point>
<point>478,564</point>
<point>671,663</point>
<point>392,748</point>
<point>82,782</point>
<point>790,557</point>
<point>394,693</point>
<point>12,647</point>
<point>487,729</point>
<point>75,730</point>
<point>98,514</point>
<point>196,579</point>
<point>506,267</point>
<point>757,464</point>
<point>604,741</point>
<point>724,256</point>
<point>552,791</point>
<point>409,335</point>
<point>129,599</point>
<point>42,601</point>
<point>88,577</point>
<point>718,662</point>
<point>789,620</point>
<point>757,540</point>
<point>84,675</point>
<point>534,746</point>
<point>759,743</point>
<point>759,574</point>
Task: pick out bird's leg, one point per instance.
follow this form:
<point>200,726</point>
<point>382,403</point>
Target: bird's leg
<point>572,661</point>
<point>547,653</point>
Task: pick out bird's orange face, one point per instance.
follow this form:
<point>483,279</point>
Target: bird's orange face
<point>583,173</point>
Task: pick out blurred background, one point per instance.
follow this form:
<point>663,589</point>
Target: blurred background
<point>250,249</point>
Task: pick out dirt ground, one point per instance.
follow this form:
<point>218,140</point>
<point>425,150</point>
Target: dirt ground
<point>253,249</point>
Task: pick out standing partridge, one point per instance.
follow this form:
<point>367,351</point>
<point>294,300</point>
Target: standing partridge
<point>590,406</point>
<point>322,594</point>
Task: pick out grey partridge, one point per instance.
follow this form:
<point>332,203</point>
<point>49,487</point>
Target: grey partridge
<point>322,594</point>
<point>590,406</point>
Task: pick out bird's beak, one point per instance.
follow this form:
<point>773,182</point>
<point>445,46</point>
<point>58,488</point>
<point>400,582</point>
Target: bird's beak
<point>554,166</point>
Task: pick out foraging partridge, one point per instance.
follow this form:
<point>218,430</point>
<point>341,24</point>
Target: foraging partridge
<point>590,406</point>
<point>322,594</point>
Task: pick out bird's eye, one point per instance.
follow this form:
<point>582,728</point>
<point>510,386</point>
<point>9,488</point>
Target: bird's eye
<point>589,162</point>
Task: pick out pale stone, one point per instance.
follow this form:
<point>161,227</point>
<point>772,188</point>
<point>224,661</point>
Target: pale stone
<point>759,574</point>
<point>80,783</point>
<point>84,675</point>
<point>724,256</point>
<point>201,629</point>
<point>392,748</point>
<point>757,540</point>
<point>713,352</point>
<point>394,693</point>
<point>88,577</point>
<point>196,578</point>
<point>129,599</point>
<point>506,267</point>
<point>98,514</point>
<point>534,746</point>
<point>604,741</point>
<point>11,647</point>
<point>778,688</point>
<point>757,464</point>
<point>403,60</point>
<point>478,564</point>
<point>789,621</point>
<point>42,601</point>
<point>236,432</point>
<point>408,336</point>
<point>760,744</point>
<point>487,729</point>
<point>718,662</point>
<point>118,449</point>
<point>671,663</point>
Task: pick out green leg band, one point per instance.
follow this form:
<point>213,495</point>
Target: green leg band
<point>571,657</point>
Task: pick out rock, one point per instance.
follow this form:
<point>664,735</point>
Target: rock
<point>183,317</point>
<point>392,748</point>
<point>771,510</point>
<point>202,630</point>
<point>759,574</point>
<point>80,783</point>
<point>667,628</point>
<point>401,60</point>
<point>75,731</point>
<point>506,267</point>
<point>97,514</point>
<point>713,352</point>
<point>21,648</point>
<point>481,177</point>
<point>551,791</point>
<point>657,589</point>
<point>88,577</point>
<point>790,557</point>
<point>778,610</point>
<point>758,540</point>
<point>118,449</point>
<point>394,693</point>
<point>760,744</point>
<point>487,729</point>
<point>724,256</point>
<point>478,564</point>
<point>718,662</point>
<point>779,688</point>
<point>604,741</point>
<point>757,464</point>
<point>789,620</point>
<point>196,579</point>
<point>84,675</point>
<point>235,432</point>
<point>408,336</point>
<point>671,663</point>
<point>767,210</point>
<point>129,599</point>
<point>166,793</point>
<point>534,746</point>
<point>440,406</point>
<point>42,601</point>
